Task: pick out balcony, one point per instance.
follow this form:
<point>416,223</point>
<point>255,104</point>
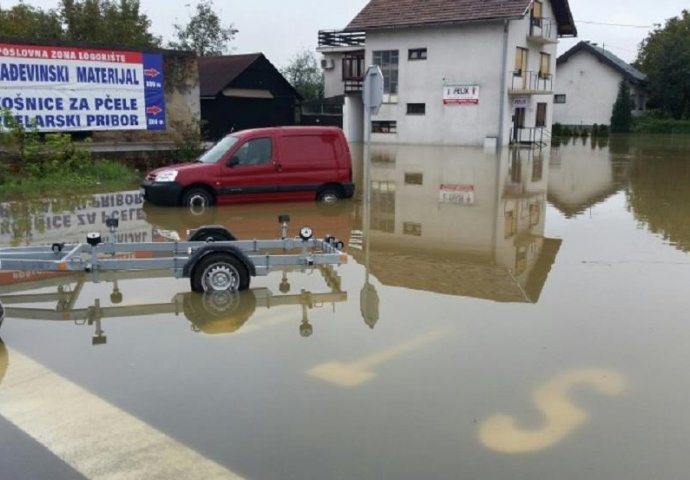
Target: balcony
<point>543,31</point>
<point>339,40</point>
<point>353,71</point>
<point>531,83</point>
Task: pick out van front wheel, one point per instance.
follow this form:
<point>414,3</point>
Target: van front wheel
<point>197,197</point>
<point>328,195</point>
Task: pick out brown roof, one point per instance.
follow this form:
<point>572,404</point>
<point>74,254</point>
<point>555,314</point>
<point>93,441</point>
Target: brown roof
<point>216,73</point>
<point>407,13</point>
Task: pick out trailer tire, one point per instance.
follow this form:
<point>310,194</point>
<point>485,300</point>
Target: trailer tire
<point>218,272</point>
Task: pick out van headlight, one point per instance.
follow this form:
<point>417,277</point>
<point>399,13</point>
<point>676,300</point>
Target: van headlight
<point>166,176</point>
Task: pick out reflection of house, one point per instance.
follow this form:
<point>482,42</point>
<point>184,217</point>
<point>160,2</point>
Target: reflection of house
<point>455,71</point>
<point>458,221</point>
<point>582,178</point>
<point>244,91</point>
<point>588,80</point>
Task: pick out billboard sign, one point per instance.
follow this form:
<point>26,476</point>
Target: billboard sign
<point>461,95</point>
<point>62,89</point>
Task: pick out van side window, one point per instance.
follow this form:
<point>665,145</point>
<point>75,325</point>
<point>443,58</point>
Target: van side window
<point>255,152</point>
<point>305,150</point>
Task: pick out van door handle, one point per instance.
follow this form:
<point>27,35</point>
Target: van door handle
<point>278,166</point>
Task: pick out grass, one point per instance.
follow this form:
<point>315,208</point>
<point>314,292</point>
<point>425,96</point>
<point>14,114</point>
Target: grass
<point>98,175</point>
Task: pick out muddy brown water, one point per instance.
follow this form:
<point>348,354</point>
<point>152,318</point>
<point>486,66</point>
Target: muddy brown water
<point>520,315</point>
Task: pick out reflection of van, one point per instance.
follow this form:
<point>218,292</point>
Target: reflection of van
<point>267,164</point>
<point>252,221</point>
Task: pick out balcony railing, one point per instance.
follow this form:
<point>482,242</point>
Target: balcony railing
<point>531,83</point>
<point>340,38</point>
<point>543,31</point>
<point>529,136</point>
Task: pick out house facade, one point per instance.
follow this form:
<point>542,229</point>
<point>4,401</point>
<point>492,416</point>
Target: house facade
<point>588,80</point>
<point>456,72</point>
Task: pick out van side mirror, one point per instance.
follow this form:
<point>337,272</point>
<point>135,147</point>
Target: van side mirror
<point>234,161</point>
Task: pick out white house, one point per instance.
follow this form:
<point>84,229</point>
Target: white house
<point>588,80</point>
<point>457,72</point>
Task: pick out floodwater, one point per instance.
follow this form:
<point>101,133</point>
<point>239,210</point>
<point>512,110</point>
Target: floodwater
<point>512,316</point>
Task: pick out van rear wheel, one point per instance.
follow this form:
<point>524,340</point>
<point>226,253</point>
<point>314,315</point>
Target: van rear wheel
<point>328,195</point>
<point>197,198</point>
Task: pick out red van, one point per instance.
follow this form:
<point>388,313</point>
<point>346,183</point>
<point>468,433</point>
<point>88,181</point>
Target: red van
<point>265,164</point>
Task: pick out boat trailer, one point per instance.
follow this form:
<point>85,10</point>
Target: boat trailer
<point>212,258</point>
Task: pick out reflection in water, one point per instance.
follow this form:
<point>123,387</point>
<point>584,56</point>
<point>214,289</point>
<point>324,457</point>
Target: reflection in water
<point>210,313</point>
<point>561,416</point>
<point>580,177</point>
<point>69,219</point>
<point>4,360</point>
<point>358,372</point>
<point>659,195</point>
<point>458,221</point>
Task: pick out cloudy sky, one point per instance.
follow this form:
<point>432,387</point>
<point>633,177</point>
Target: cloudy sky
<point>281,28</point>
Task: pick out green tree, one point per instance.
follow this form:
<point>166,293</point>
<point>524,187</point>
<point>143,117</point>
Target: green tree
<point>304,73</point>
<point>110,22</point>
<point>204,33</point>
<point>665,57</point>
<point>29,22</point>
<point>621,117</point>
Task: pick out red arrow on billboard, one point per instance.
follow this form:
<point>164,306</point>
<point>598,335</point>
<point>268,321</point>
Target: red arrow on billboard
<point>155,110</point>
<point>151,72</point>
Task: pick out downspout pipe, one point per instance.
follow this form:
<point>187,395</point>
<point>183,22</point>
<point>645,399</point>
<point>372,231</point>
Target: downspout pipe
<point>503,92</point>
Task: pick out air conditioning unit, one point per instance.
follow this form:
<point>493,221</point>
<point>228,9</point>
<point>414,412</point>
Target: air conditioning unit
<point>327,64</point>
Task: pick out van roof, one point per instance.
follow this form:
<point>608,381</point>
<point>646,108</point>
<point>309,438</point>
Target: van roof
<point>287,130</point>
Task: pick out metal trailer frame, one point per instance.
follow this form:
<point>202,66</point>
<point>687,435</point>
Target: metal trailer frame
<point>226,263</point>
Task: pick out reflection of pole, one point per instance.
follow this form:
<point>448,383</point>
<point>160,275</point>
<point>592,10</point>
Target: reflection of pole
<point>372,97</point>
<point>368,297</point>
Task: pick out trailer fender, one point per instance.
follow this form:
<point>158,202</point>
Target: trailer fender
<point>211,233</point>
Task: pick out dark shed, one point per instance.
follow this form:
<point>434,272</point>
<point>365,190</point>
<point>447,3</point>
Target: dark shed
<point>244,91</point>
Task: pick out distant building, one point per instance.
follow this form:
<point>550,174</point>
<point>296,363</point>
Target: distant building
<point>457,72</point>
<point>244,91</point>
<point>588,80</point>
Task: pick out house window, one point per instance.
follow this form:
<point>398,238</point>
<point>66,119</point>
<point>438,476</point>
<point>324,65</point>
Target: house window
<point>520,61</point>
<point>412,228</point>
<point>544,65</point>
<point>353,67</point>
<point>416,54</point>
<point>559,98</point>
<point>384,126</point>
<point>541,115</point>
<point>537,13</point>
<point>416,108</point>
<point>414,179</point>
<point>387,60</point>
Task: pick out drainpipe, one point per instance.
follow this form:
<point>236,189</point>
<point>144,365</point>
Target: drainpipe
<point>503,93</point>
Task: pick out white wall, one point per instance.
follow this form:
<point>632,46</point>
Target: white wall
<point>333,78</point>
<point>455,55</point>
<point>591,88</point>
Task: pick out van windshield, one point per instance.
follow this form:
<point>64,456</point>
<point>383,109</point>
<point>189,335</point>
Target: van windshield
<point>217,151</point>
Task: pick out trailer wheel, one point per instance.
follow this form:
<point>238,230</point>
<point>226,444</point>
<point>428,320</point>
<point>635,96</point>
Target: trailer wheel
<point>218,272</point>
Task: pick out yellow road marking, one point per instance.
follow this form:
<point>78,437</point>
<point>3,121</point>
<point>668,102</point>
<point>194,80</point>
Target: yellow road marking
<point>94,437</point>
<point>561,416</point>
<point>361,371</point>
